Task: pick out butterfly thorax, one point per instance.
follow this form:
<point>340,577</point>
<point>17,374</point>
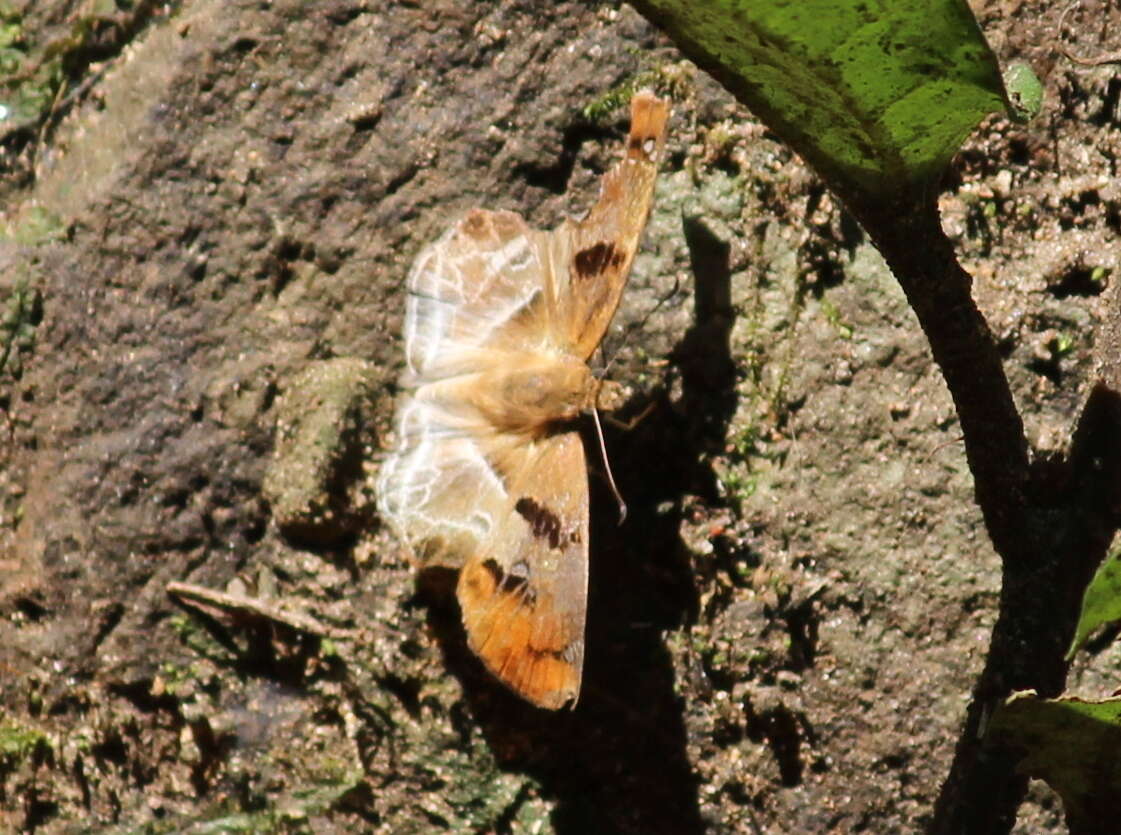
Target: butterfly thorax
<point>533,394</point>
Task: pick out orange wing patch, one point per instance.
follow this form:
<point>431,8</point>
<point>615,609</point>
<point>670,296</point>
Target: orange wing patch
<point>518,634</point>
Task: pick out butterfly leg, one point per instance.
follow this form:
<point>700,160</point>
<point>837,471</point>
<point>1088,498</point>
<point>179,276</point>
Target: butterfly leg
<point>628,425</point>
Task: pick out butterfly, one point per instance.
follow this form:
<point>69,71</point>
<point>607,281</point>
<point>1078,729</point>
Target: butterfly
<point>488,475</point>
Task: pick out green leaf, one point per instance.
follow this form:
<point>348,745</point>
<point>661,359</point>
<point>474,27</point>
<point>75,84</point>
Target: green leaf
<point>1073,745</point>
<point>1101,604</point>
<point>876,94</point>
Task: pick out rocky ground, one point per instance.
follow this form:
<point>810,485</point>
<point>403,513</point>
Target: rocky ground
<point>203,257</point>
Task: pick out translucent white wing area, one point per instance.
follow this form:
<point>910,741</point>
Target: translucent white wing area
<point>483,288</point>
<point>437,489</point>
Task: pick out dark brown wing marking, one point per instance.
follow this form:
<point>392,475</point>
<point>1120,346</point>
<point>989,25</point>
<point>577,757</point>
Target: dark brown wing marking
<point>544,523</point>
<point>591,262</point>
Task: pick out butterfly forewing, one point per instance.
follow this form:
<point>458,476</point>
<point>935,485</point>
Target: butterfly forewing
<point>480,290</point>
<point>603,244</point>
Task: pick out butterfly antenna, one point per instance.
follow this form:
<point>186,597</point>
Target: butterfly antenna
<point>607,467</point>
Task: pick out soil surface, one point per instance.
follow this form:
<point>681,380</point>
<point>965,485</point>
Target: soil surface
<point>208,242</point>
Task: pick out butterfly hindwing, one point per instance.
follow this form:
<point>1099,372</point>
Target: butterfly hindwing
<point>439,490</point>
<point>524,596</point>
